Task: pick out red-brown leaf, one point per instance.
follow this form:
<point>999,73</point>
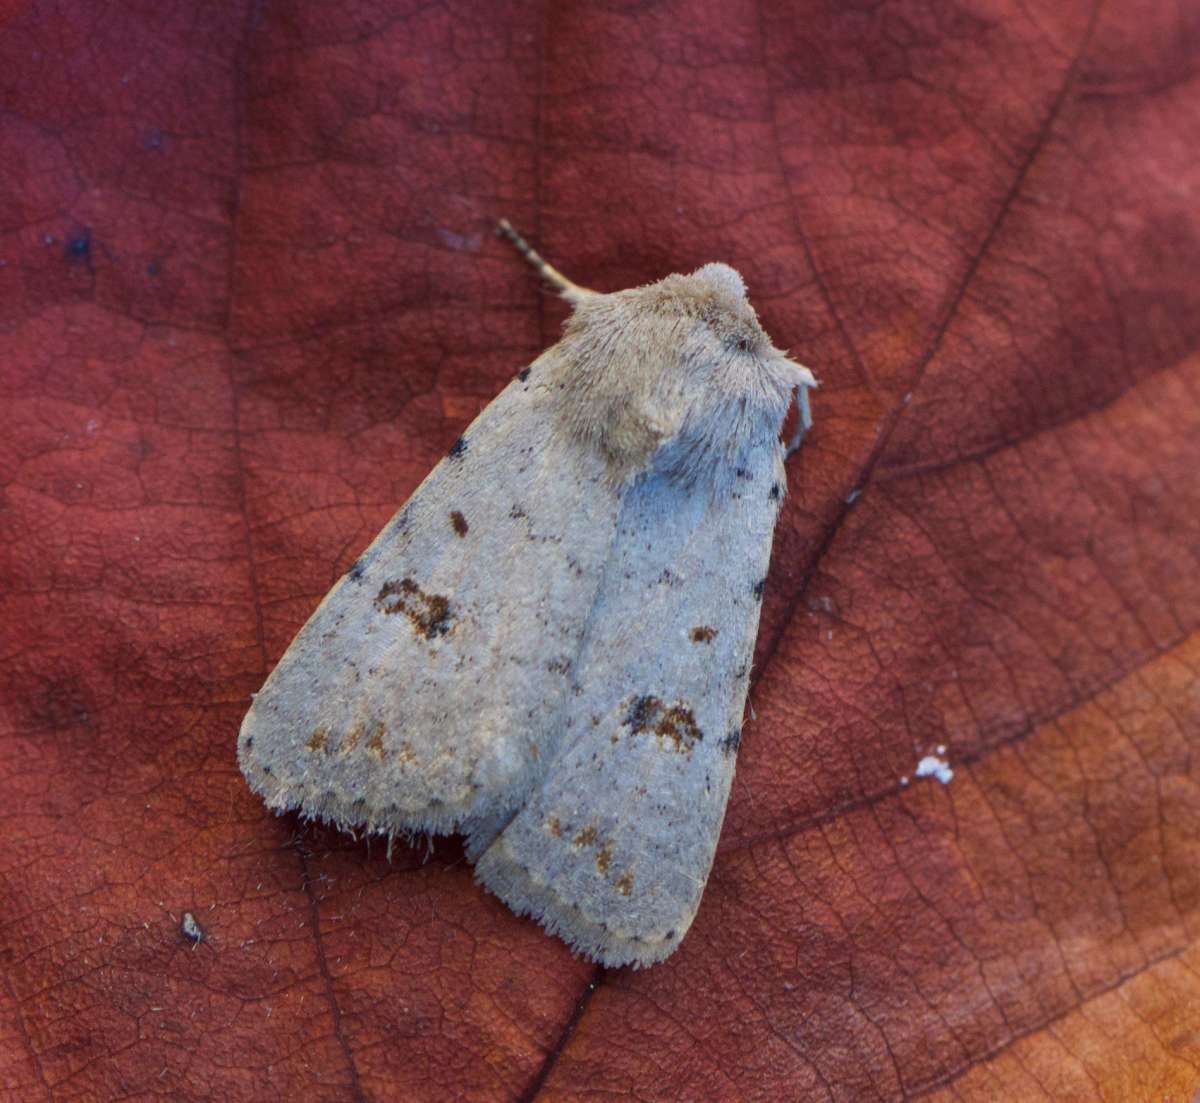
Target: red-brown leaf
<point>249,295</point>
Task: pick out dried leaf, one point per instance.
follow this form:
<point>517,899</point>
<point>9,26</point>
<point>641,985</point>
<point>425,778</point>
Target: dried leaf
<point>249,294</point>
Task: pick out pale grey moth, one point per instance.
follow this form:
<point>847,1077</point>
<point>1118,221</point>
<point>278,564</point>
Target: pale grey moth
<point>548,648</point>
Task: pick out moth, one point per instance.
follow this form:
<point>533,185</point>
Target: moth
<point>547,649</point>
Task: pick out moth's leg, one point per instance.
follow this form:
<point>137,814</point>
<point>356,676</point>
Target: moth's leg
<point>572,292</point>
<point>804,419</point>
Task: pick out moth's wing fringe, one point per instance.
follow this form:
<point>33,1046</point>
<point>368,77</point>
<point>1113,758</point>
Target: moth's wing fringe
<point>526,894</point>
<point>353,818</point>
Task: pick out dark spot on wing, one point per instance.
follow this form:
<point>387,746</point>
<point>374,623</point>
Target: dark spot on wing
<point>729,745</point>
<point>702,633</point>
<point>776,491</point>
<point>318,741</point>
<point>676,723</point>
<point>624,883</point>
<point>350,740</point>
<point>375,743</point>
<point>458,448</point>
<point>356,571</point>
<point>554,827</point>
<point>523,374</point>
<point>759,586</point>
<point>560,665</point>
<point>742,473</point>
<point>459,523</point>
<point>586,836</point>
<point>641,712</point>
<point>429,613</point>
<point>603,859</point>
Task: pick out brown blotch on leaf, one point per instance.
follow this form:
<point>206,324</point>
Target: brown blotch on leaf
<point>429,613</point>
<point>624,883</point>
<point>604,859</point>
<point>702,633</point>
<point>375,743</point>
<point>586,836</point>
<point>319,740</point>
<point>459,522</point>
<point>676,722</point>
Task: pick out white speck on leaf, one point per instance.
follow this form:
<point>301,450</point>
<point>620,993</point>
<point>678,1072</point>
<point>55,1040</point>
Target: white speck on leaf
<point>932,766</point>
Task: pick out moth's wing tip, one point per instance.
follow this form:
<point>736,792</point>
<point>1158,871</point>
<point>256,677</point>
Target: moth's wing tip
<point>257,740</point>
<point>277,794</point>
<point>504,877</point>
<point>250,760</point>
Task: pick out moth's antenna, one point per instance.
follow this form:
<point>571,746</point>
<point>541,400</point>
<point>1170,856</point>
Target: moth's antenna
<point>572,292</point>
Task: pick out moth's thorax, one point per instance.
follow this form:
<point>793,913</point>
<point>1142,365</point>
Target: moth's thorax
<point>678,372</point>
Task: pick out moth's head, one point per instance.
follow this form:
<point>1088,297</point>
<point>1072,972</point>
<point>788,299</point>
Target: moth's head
<point>681,366</point>
<point>724,352</point>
